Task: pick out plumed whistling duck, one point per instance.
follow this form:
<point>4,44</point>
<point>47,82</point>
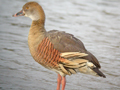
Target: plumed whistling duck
<point>57,50</point>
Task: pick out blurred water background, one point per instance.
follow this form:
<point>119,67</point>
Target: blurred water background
<point>95,22</point>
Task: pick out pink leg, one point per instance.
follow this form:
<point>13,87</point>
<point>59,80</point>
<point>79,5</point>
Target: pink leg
<point>63,83</point>
<point>59,82</point>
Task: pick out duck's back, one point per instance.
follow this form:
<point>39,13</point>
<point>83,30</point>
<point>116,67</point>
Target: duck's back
<point>65,42</point>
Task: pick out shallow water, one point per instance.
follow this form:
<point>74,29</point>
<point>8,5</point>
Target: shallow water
<point>95,22</point>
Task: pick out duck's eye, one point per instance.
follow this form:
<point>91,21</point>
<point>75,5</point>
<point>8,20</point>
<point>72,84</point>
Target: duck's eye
<point>27,7</point>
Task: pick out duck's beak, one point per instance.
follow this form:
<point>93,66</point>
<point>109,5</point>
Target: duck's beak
<point>21,13</point>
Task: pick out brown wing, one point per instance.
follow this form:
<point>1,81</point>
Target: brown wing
<point>65,42</point>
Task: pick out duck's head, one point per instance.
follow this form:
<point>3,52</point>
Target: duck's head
<point>32,10</point>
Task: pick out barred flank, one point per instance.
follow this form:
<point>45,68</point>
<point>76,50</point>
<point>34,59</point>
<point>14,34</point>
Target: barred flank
<point>47,55</point>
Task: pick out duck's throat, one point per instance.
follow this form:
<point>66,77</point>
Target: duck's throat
<point>38,25</point>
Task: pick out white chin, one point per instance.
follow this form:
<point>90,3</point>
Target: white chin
<point>34,18</point>
<point>25,15</point>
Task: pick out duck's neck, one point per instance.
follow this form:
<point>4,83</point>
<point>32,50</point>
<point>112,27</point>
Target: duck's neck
<point>36,34</point>
<point>38,26</point>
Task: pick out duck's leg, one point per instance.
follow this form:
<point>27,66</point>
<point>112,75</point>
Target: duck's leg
<point>63,83</point>
<point>59,81</point>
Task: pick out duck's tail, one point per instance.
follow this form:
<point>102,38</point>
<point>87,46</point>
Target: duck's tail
<point>72,65</point>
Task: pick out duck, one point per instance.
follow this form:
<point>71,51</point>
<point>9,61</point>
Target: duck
<point>56,50</point>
